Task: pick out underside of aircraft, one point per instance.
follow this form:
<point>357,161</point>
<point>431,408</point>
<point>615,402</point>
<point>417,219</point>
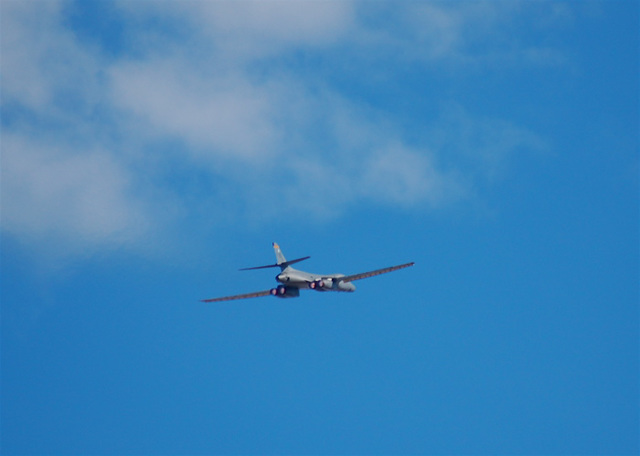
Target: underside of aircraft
<point>291,280</point>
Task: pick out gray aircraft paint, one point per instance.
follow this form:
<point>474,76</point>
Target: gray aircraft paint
<point>293,280</point>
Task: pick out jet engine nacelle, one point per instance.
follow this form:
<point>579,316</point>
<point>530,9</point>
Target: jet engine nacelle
<point>321,284</point>
<point>345,286</point>
<point>282,291</point>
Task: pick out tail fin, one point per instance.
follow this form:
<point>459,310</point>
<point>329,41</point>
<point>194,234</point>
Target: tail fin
<point>279,256</point>
<point>282,262</point>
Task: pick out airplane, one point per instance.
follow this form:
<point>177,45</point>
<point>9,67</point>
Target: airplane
<point>292,280</point>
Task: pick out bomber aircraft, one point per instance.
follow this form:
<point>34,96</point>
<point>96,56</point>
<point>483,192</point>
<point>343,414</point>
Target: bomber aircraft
<point>292,280</point>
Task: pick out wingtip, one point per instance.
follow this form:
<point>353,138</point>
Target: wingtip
<point>275,245</point>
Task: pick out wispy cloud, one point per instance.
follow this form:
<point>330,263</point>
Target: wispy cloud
<point>235,91</point>
<point>70,195</point>
<point>224,114</point>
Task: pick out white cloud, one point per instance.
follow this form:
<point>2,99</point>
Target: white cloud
<point>407,178</point>
<point>80,198</point>
<point>256,28</point>
<point>462,34</point>
<point>222,89</point>
<point>250,29</point>
<point>226,114</point>
<point>42,63</point>
<point>60,185</point>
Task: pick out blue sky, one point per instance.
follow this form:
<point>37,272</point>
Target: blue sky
<point>150,149</point>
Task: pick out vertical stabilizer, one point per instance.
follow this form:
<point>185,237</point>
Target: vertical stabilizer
<point>279,256</point>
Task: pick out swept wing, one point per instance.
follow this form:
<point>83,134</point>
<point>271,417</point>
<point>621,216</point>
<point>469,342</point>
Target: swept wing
<point>364,275</point>
<point>256,294</point>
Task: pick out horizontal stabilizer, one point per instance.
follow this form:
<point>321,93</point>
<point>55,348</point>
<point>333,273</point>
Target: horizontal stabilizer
<point>287,263</point>
<point>281,265</point>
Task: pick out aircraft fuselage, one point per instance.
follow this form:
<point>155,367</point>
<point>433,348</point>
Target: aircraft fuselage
<point>291,277</point>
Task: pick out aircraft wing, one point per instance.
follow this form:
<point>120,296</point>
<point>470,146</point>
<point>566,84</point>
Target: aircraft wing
<point>256,294</point>
<point>364,275</point>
